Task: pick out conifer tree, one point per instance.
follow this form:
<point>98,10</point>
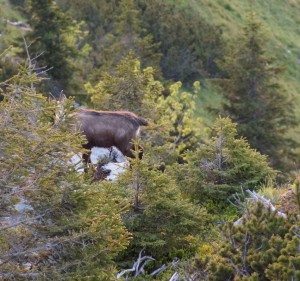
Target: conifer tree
<point>125,35</point>
<point>99,232</point>
<point>54,224</point>
<point>189,44</point>
<point>131,37</point>
<point>256,100</point>
<point>129,87</point>
<point>222,166</point>
<point>163,223</point>
<point>175,125</point>
<point>186,129</point>
<point>54,42</point>
<point>263,247</point>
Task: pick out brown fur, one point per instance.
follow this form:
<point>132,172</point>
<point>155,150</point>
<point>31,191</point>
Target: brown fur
<point>108,128</point>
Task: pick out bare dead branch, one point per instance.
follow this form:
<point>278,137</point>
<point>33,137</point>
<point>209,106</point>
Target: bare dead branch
<point>175,277</point>
<point>29,251</point>
<point>21,222</point>
<point>138,266</point>
<point>22,275</point>
<point>266,203</point>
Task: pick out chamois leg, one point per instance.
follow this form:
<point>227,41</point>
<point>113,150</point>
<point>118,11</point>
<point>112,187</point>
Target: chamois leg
<point>129,152</point>
<point>141,152</point>
<point>86,157</point>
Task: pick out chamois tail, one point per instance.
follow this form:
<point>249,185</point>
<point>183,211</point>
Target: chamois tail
<point>142,121</point>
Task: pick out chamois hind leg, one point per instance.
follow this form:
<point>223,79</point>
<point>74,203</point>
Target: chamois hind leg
<point>141,152</point>
<point>86,157</point>
<point>129,152</point>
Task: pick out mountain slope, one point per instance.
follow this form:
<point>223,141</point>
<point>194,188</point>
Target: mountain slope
<point>280,19</point>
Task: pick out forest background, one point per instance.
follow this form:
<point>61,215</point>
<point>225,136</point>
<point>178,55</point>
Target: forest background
<point>218,82</point>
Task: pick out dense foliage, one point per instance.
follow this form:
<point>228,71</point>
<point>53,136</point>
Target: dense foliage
<point>42,195</point>
<point>246,254</point>
<point>52,44</point>
<point>225,165</point>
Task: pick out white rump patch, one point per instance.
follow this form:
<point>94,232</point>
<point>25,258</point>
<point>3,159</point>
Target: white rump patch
<point>137,132</point>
